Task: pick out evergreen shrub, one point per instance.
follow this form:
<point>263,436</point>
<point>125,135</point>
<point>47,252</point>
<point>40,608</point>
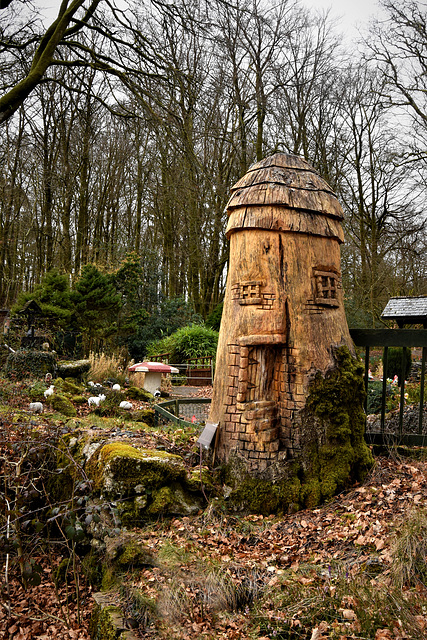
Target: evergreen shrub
<point>193,341</point>
<point>394,363</point>
<point>375,390</point>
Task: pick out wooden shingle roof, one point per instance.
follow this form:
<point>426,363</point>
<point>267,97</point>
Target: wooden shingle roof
<point>284,193</point>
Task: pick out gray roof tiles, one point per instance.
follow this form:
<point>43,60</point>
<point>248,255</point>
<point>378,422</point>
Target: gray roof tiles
<point>406,307</point>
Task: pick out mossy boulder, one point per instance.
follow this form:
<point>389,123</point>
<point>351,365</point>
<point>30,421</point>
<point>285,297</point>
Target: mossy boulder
<point>147,482</point>
<point>69,386</point>
<point>333,454</point>
<point>144,415</point>
<point>136,393</point>
<point>75,369</point>
<point>126,551</point>
<point>61,404</point>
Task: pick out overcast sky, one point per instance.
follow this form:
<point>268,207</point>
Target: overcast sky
<point>352,13</point>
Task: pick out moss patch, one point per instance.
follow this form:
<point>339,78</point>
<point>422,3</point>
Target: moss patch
<point>334,452</point>
<point>61,404</point>
<point>136,393</point>
<point>144,415</point>
<point>107,622</point>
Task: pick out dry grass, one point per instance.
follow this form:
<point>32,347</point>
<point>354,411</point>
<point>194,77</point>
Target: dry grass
<point>103,366</point>
<point>410,550</point>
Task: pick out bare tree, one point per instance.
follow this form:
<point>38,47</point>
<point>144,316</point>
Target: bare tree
<point>398,45</point>
<point>73,15</point>
<point>380,194</point>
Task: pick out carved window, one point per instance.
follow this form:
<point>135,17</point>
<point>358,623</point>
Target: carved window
<point>326,284</point>
<point>249,292</point>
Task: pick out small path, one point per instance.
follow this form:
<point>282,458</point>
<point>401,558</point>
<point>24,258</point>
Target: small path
<point>190,392</point>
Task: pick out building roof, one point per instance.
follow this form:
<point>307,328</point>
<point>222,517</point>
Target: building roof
<point>406,310</point>
<point>32,307</point>
<point>284,193</point>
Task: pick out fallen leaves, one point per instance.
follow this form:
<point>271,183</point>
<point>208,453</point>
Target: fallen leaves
<point>45,612</point>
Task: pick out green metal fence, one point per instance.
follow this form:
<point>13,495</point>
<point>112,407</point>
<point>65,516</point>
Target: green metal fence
<point>407,339</point>
<point>183,411</point>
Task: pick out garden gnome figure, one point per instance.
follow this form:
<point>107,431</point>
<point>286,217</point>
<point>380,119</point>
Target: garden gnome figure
<point>283,309</point>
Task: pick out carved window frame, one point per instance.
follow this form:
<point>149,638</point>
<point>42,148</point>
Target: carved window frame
<point>250,292</point>
<point>326,288</point>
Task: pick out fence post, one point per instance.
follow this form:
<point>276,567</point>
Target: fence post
<point>384,391</point>
<point>402,391</point>
<point>366,377</point>
<point>421,408</point>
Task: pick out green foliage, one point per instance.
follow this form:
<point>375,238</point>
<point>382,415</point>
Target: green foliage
<point>28,363</point>
<point>413,389</point>
<point>214,319</point>
<point>375,391</point>
<point>96,305</point>
<point>357,318</point>
<point>394,363</point>
<point>129,283</point>
<point>163,321</point>
<point>53,296</point>
<point>36,391</point>
<point>188,342</point>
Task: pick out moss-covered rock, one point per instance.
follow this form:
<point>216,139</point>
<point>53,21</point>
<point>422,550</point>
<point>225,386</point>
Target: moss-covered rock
<point>172,499</point>
<point>136,393</point>
<point>76,369</point>
<point>78,400</point>
<point>118,467</point>
<point>69,386</point>
<point>126,551</point>
<point>144,415</point>
<point>107,620</point>
<point>61,404</point>
<point>147,482</point>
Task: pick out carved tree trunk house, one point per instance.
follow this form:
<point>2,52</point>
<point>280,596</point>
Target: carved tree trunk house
<point>283,309</point>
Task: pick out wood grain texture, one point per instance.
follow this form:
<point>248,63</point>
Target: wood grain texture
<point>283,305</point>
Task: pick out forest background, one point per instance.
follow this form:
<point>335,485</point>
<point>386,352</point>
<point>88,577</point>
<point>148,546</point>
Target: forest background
<point>124,125</point>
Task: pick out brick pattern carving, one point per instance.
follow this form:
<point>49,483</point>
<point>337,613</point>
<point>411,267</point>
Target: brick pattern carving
<point>264,389</point>
<point>250,292</point>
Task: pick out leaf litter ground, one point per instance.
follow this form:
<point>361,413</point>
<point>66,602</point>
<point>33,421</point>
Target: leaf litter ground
<point>331,572</point>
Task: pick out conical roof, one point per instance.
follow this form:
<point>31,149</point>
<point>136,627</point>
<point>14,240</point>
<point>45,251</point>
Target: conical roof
<point>284,193</point>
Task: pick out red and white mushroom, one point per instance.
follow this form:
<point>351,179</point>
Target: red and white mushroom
<point>153,373</point>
